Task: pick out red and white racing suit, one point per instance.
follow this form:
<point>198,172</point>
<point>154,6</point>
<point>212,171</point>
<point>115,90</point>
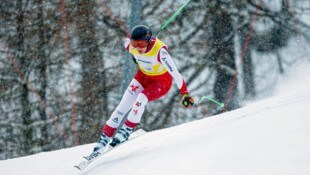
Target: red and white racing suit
<point>152,81</point>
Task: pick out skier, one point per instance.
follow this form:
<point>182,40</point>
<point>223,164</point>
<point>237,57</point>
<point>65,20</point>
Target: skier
<point>152,81</point>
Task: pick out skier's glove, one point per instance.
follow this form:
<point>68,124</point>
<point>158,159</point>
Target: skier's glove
<point>187,101</point>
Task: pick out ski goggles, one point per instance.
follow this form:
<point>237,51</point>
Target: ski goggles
<point>139,43</point>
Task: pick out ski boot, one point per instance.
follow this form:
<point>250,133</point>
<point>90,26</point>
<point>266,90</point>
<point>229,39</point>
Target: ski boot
<point>102,143</point>
<point>121,136</point>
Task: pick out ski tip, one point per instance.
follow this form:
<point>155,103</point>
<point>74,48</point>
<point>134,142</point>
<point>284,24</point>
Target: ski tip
<point>76,166</point>
<point>81,165</point>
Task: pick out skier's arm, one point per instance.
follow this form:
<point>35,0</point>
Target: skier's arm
<point>169,64</point>
<point>126,44</point>
<point>166,60</point>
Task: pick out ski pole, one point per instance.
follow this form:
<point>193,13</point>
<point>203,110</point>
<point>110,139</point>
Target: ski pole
<point>173,17</point>
<point>212,100</point>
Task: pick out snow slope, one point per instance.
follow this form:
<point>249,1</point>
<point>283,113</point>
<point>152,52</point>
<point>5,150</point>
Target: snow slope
<point>268,137</point>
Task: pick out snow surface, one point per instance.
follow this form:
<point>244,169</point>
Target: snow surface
<point>267,137</point>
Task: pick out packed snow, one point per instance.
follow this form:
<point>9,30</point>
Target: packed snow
<point>269,137</point>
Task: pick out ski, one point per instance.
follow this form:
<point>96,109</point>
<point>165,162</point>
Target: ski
<point>96,154</point>
<point>88,159</point>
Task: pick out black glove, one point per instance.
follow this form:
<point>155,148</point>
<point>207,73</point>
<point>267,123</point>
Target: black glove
<point>187,101</point>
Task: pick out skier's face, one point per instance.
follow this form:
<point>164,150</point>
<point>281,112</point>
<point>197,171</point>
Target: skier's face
<point>140,45</point>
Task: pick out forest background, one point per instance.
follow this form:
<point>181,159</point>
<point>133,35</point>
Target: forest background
<point>63,66</point>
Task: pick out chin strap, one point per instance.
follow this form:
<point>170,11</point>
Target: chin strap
<point>134,59</point>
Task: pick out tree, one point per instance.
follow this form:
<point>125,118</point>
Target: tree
<point>91,83</point>
<point>42,66</point>
<point>226,84</point>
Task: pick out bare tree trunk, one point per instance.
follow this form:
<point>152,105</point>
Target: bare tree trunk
<point>247,66</point>
<point>42,57</point>
<point>91,78</point>
<point>225,87</point>
<point>26,111</point>
<point>280,64</point>
<point>129,68</point>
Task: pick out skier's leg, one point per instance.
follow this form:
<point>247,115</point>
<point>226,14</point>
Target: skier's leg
<point>124,106</point>
<point>117,116</point>
<point>132,121</point>
<point>153,91</point>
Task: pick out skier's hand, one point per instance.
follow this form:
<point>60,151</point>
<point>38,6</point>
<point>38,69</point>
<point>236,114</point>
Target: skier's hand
<point>187,101</point>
